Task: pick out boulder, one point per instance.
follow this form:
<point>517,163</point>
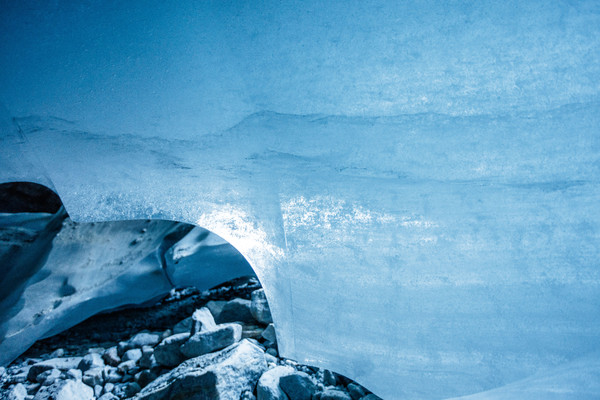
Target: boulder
<point>334,394</point>
<point>202,320</point>
<point>183,326</point>
<point>269,334</point>
<point>297,386</point>
<point>65,390</point>
<point>18,392</point>
<point>357,392</point>
<point>48,377</point>
<point>208,341</point>
<point>222,375</point>
<point>91,360</point>
<point>111,356</point>
<point>268,384</point>
<point>143,339</point>
<point>215,307</point>
<point>132,355</point>
<point>260,307</point>
<point>168,352</point>
<point>93,377</point>
<point>236,310</point>
<point>62,364</point>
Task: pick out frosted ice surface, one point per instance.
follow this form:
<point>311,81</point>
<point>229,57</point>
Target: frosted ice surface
<point>422,204</point>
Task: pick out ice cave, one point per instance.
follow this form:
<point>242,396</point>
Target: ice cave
<point>416,185</point>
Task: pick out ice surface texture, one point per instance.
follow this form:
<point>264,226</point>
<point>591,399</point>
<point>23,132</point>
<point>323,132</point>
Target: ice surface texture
<point>422,204</point>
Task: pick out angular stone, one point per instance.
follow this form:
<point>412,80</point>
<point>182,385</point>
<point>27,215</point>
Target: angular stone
<point>74,374</point>
<point>111,356</point>
<point>65,390</point>
<point>62,364</point>
<point>18,392</point>
<point>143,378</point>
<point>112,375</point>
<point>132,355</point>
<point>236,310</point>
<point>143,339</point>
<point>168,352</point>
<point>334,394</point>
<point>355,391</point>
<point>260,307</point>
<point>215,307</point>
<point>48,377</point>
<point>91,360</point>
<point>222,375</point>
<point>202,320</point>
<point>297,386</point>
<point>269,334</point>
<point>93,377</point>
<point>208,341</point>
<point>183,326</point>
<point>268,384</point>
<point>126,366</point>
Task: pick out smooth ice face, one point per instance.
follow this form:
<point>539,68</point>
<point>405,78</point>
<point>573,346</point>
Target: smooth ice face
<point>420,204</point>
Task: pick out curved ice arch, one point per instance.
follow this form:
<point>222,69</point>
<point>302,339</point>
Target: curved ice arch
<point>424,256</point>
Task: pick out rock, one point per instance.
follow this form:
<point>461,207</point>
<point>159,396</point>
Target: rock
<point>98,350</point>
<point>334,394</point>
<point>112,375</point>
<point>18,392</point>
<point>208,341</point>
<point>97,390</point>
<point>93,377</point>
<point>222,375</point>
<point>65,390</point>
<point>2,371</point>
<point>32,388</point>
<point>62,364</point>
<point>143,378</point>
<point>272,352</point>
<point>108,396</point>
<point>168,352</point>
<point>143,339</point>
<point>108,387</point>
<point>132,355</point>
<point>111,356</point>
<point>297,386</point>
<point>329,378</point>
<point>268,384</point>
<point>91,360</point>
<point>269,334</point>
<point>58,353</point>
<point>215,307</point>
<point>371,397</point>
<point>357,392</point>
<point>202,320</point>
<point>48,377</point>
<point>236,310</point>
<point>131,389</point>
<point>126,366</point>
<point>260,307</point>
<point>74,374</point>
<point>251,331</point>
<point>183,326</point>
<point>148,360</point>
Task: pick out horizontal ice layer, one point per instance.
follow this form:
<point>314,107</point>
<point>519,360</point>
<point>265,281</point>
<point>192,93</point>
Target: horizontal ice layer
<point>189,67</point>
<point>426,256</point>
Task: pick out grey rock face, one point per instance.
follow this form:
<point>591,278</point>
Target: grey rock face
<point>167,353</point>
<point>208,341</point>
<point>236,310</point>
<point>268,384</point>
<point>298,386</point>
<point>62,364</point>
<point>260,307</point>
<point>65,390</point>
<point>223,375</point>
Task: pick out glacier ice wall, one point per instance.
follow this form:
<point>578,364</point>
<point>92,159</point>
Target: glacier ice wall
<point>420,202</point>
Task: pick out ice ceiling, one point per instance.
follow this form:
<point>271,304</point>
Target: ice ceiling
<point>415,184</point>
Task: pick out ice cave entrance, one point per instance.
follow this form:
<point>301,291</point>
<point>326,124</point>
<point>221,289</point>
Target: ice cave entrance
<point>57,272</point>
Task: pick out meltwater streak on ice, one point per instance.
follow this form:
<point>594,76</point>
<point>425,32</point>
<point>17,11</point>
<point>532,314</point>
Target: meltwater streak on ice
<point>425,256</point>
